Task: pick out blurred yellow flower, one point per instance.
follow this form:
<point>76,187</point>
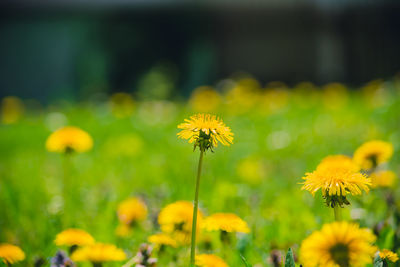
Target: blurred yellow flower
<point>12,109</point>
<point>127,145</point>
<point>340,161</point>
<point>243,96</point>
<point>251,170</point>
<point>338,244</point>
<point>336,182</point>
<point>305,94</point>
<point>162,239</point>
<point>386,254</point>
<point>69,139</point>
<point>98,253</point>
<point>205,131</point>
<point>73,237</point>
<point>274,99</point>
<point>375,94</point>
<point>132,210</point>
<point>176,219</point>
<point>11,254</point>
<point>209,260</point>
<point>123,230</point>
<point>122,105</point>
<point>205,99</point>
<point>334,95</point>
<point>372,153</point>
<point>227,222</point>
<point>383,178</point>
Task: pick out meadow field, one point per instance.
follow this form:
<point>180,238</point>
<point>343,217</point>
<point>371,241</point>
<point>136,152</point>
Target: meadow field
<point>279,135</point>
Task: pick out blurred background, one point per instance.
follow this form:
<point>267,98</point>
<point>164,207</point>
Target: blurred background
<point>74,49</point>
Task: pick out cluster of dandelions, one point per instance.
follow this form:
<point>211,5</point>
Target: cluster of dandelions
<point>341,243</point>
<point>181,223</point>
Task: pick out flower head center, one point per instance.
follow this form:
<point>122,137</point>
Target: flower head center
<point>340,255</point>
<point>373,158</point>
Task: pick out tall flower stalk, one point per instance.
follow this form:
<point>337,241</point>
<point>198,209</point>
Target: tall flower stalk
<point>195,208</point>
<point>204,131</point>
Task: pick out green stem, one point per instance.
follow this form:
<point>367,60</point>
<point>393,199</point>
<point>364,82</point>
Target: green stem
<point>195,208</point>
<point>338,213</point>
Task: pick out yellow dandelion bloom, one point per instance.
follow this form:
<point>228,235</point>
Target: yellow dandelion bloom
<point>205,131</point>
<point>338,244</point>
<point>205,99</point>
<point>386,254</point>
<point>69,139</point>
<point>98,253</point>
<point>176,219</point>
<point>162,239</point>
<point>383,178</point>
<point>340,161</point>
<point>73,237</point>
<point>373,153</point>
<point>335,180</point>
<point>11,254</point>
<point>132,210</point>
<point>227,222</point>
<point>209,260</point>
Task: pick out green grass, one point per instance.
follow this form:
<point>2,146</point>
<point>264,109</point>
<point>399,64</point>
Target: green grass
<point>161,169</point>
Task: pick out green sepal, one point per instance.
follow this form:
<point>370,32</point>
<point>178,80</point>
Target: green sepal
<point>378,262</point>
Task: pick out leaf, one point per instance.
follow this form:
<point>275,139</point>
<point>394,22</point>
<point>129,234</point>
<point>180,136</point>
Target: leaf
<point>245,261</point>
<point>378,262</point>
<point>289,261</point>
<point>385,239</point>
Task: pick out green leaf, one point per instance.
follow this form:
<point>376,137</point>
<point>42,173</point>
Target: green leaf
<point>378,261</point>
<point>289,261</point>
<point>245,261</point>
<point>386,237</point>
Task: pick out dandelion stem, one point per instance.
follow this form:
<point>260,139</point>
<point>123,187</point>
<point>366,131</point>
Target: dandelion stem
<point>338,213</point>
<point>195,208</point>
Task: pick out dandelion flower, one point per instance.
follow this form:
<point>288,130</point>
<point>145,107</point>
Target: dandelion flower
<point>98,253</point>
<point>162,239</point>
<point>336,182</point>
<point>338,244</point>
<point>11,254</point>
<point>205,131</point>
<point>131,210</point>
<point>176,219</point>
<point>69,139</point>
<point>386,254</point>
<point>372,153</point>
<point>227,222</point>
<point>341,161</point>
<point>383,178</point>
<point>209,260</point>
<point>73,237</point>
